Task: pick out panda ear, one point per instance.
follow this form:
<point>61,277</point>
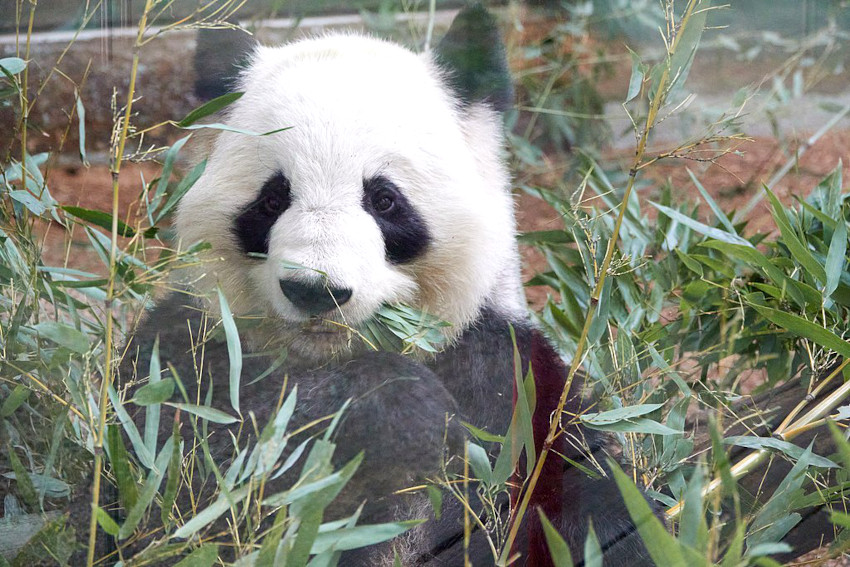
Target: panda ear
<point>220,56</point>
<point>473,55</point>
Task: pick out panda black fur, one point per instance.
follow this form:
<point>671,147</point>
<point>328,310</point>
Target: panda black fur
<point>389,187</point>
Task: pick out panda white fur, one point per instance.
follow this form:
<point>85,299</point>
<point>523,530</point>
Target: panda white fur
<point>388,186</point>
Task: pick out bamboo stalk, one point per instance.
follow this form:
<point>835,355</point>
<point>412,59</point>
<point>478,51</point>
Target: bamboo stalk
<point>25,103</point>
<point>110,291</point>
<point>812,395</point>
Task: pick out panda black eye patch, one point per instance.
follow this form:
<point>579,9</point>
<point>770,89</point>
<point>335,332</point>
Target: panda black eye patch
<point>404,230</point>
<point>255,220</point>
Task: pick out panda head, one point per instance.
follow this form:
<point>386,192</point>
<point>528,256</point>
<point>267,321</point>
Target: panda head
<point>388,186</point>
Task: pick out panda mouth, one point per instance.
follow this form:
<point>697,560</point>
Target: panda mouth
<point>322,326</point>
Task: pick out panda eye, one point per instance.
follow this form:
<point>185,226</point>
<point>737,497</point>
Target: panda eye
<point>272,204</point>
<point>383,201</point>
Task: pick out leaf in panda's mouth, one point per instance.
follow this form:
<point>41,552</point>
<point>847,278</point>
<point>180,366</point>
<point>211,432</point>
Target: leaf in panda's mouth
<point>401,328</point>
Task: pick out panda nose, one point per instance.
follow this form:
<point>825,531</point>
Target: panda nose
<point>314,298</point>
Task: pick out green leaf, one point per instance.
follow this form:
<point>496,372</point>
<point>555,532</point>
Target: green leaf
<point>840,443</point>
<point>435,495</point>
<point>639,69</point>
<point>480,462</point>
<point>800,292</point>
<point>268,551</point>
<point>165,174</point>
<point>359,536</point>
<point>558,549</point>
<point>774,520</point>
<point>205,412</point>
<point>209,108</point>
<point>840,519</point>
<point>768,549</point>
<point>715,208</point>
<point>145,456</point>
<point>801,327</point>
<point>798,249</point>
<point>35,205</point>
<point>154,393</point>
<point>789,449</point>
<point>482,435</point>
<point>619,414</point>
<point>660,544</point>
<point>636,425</point>
<point>689,36</point>
<point>182,187</point>
<point>204,556</point>
<point>592,549</point>
<point>18,396</point>
<point>63,335</point>
<point>174,473</point>
<point>134,515</point>
<point>693,530</point>
<point>701,228</point>
<point>99,218</point>
<point>234,349</point>
<point>12,65</point>
<point>158,391</point>
<point>690,263</point>
<point>25,486</point>
<point>212,512</point>
<point>128,492</point>
<point>836,258</point>
<point>106,522</point>
<point>81,128</point>
<point>226,128</point>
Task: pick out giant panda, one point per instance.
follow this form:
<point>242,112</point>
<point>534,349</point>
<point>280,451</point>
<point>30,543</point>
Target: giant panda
<point>389,185</point>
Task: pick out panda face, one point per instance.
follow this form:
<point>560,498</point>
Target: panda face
<point>382,190</point>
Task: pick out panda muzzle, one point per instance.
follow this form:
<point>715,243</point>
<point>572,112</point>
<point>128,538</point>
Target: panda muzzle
<point>314,298</point>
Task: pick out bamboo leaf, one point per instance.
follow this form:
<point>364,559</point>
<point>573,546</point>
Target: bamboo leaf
<point>12,65</point>
<point>359,536</point>
<point>592,549</point>
<point>789,449</point>
<point>205,412</point>
<point>212,512</point>
<point>135,514</point>
<point>182,187</point>
<point>715,208</point>
<point>639,69</point>
<point>99,218</point>
<point>106,522</point>
<point>798,249</point>
<point>636,425</point>
<point>801,327</point>
<point>662,547</point>
<point>836,258</point>
<point>701,228</point>
<point>128,492</point>
<point>558,548</point>
<point>480,463</point>
<point>18,396</point>
<point>619,414</point>
<point>154,394</point>
<point>204,556</point>
<point>209,108</point>
<point>63,335</point>
<point>234,349</point>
